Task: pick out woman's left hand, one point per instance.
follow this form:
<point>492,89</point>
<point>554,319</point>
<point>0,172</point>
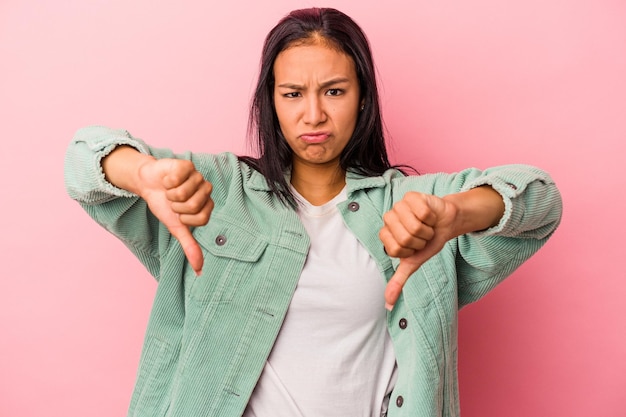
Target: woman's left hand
<point>418,226</point>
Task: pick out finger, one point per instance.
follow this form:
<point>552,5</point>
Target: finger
<point>421,207</point>
<point>190,186</point>
<point>391,245</point>
<point>407,229</point>
<point>178,171</point>
<point>200,218</point>
<point>394,287</point>
<point>407,267</point>
<point>190,247</point>
<point>398,240</point>
<point>196,203</point>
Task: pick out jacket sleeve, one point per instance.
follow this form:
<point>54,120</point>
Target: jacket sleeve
<point>533,208</point>
<point>120,212</point>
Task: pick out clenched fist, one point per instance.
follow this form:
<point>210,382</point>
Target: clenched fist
<point>418,226</point>
<point>176,193</point>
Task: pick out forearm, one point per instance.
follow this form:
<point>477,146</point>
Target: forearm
<point>478,209</point>
<point>485,259</point>
<point>121,167</point>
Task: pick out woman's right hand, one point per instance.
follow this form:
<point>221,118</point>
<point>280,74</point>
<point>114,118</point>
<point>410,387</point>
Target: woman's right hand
<point>176,193</point>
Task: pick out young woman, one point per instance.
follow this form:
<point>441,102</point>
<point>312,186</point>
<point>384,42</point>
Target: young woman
<point>315,279</point>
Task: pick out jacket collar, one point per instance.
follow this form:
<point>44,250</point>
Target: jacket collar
<point>255,180</point>
<point>357,182</point>
<point>354,181</point>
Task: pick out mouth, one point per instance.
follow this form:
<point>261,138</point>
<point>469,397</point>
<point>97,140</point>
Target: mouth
<point>315,137</point>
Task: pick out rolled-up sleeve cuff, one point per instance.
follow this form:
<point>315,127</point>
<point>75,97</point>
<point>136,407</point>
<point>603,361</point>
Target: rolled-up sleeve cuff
<point>84,177</point>
<point>512,183</point>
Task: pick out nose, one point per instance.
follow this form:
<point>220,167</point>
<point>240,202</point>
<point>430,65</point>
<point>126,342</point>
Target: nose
<point>314,113</point>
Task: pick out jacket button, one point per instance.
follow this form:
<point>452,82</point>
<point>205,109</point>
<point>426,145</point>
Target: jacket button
<point>513,186</point>
<point>354,206</point>
<point>220,240</point>
<point>403,323</point>
<point>399,401</point>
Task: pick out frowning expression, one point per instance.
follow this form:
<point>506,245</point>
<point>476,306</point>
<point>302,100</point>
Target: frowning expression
<point>317,99</point>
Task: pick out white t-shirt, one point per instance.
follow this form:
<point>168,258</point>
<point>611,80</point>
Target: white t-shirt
<point>333,355</point>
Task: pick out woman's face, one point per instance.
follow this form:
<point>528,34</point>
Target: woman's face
<point>316,98</point>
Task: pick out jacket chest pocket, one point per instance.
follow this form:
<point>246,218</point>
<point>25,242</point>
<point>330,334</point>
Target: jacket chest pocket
<point>230,255</point>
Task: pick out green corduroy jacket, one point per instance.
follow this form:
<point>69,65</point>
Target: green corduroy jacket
<point>208,337</point>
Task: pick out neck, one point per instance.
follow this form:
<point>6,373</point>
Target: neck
<point>318,185</point>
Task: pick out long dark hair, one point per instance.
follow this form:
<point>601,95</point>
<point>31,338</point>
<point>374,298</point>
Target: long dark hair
<point>365,153</point>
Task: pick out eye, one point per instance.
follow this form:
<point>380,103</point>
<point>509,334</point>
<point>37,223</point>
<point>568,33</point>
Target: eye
<point>334,92</point>
<point>292,94</point>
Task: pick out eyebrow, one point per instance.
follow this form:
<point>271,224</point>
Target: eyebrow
<point>325,84</point>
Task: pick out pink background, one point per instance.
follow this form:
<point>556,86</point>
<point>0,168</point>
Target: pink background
<point>475,83</point>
